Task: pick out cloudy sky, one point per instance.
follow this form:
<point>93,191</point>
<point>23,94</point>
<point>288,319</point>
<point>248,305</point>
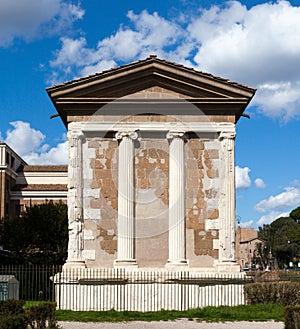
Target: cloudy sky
<point>256,43</point>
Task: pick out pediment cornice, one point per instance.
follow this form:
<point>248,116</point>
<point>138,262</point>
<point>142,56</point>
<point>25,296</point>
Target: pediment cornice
<point>124,83</point>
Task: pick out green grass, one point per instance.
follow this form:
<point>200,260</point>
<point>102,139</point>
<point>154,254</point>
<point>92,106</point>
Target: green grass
<point>30,303</point>
<point>261,312</point>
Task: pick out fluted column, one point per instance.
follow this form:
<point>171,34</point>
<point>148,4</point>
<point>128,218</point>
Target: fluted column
<point>126,205</point>
<point>227,206</point>
<point>75,209</point>
<point>177,243</point>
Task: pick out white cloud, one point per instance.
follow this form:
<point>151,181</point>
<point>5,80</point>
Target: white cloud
<point>282,201</point>
<point>27,18</point>
<point>242,179</point>
<point>258,46</point>
<point>149,34</point>
<point>55,155</point>
<point>270,217</point>
<point>259,183</point>
<point>247,224</point>
<point>28,143</point>
<point>23,139</point>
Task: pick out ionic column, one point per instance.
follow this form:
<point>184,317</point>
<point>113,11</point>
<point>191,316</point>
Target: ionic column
<point>75,201</point>
<point>227,206</point>
<point>177,243</point>
<point>126,205</point>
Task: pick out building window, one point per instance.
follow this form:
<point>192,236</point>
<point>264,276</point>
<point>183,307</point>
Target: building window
<point>7,185</point>
<point>12,163</point>
<point>7,158</point>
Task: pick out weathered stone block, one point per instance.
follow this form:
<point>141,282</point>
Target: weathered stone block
<point>213,154</point>
<point>211,193</point>
<point>213,213</point>
<point>212,173</point>
<point>212,224</point>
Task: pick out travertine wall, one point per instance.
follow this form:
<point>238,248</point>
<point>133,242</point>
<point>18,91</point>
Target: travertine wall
<point>204,180</point>
<point>152,188</point>
<point>100,200</point>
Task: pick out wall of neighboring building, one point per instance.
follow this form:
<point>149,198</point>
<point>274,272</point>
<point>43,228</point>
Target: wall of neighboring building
<point>10,162</point>
<point>38,184</point>
<point>246,242</point>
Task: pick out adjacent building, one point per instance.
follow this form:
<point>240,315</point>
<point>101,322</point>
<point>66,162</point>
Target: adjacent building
<point>246,242</point>
<point>23,185</point>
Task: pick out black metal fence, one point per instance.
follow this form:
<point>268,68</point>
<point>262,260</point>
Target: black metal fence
<point>104,289</point>
<point>34,281</point>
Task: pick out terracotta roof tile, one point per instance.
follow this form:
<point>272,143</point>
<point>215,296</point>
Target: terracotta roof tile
<point>248,234</point>
<point>45,168</point>
<point>41,187</point>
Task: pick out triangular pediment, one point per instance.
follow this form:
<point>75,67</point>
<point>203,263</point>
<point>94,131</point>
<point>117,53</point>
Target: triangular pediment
<point>150,78</point>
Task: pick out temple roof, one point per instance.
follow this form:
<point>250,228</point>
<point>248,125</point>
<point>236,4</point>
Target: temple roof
<point>93,91</point>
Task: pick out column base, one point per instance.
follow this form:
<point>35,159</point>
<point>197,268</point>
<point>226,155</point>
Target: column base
<point>228,266</point>
<point>80,263</point>
<point>125,263</point>
<point>177,264</point>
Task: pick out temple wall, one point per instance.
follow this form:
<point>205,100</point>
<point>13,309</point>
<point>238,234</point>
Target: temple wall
<point>100,200</point>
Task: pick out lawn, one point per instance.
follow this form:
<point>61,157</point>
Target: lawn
<point>259,312</point>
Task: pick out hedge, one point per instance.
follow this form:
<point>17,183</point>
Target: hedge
<point>283,293</point>
<point>14,316</point>
<point>292,317</point>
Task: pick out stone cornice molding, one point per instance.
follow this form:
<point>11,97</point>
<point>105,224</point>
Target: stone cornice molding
<point>215,127</point>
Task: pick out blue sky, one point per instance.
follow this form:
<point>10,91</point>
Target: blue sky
<point>252,42</point>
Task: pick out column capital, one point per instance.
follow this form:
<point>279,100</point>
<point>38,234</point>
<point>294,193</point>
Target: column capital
<point>227,135</point>
<point>74,137</point>
<point>131,134</point>
<point>176,134</point>
<point>78,134</point>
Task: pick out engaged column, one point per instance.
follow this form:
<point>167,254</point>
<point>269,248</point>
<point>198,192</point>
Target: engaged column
<point>177,248</point>
<point>126,193</point>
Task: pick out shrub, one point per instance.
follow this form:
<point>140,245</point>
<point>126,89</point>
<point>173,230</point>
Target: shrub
<point>12,315</point>
<point>283,293</point>
<point>292,317</point>
<point>42,316</point>
<point>11,307</point>
<point>13,322</point>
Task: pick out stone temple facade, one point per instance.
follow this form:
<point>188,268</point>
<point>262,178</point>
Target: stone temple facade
<point>151,167</point>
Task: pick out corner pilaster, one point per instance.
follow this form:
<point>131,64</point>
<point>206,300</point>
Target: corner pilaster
<point>75,208</point>
<point>227,254</point>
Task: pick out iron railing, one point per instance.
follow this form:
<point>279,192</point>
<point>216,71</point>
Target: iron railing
<point>138,290</point>
<point>34,280</point>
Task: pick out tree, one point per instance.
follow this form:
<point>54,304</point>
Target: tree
<point>282,238</point>
<point>40,235</point>
<point>295,215</point>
